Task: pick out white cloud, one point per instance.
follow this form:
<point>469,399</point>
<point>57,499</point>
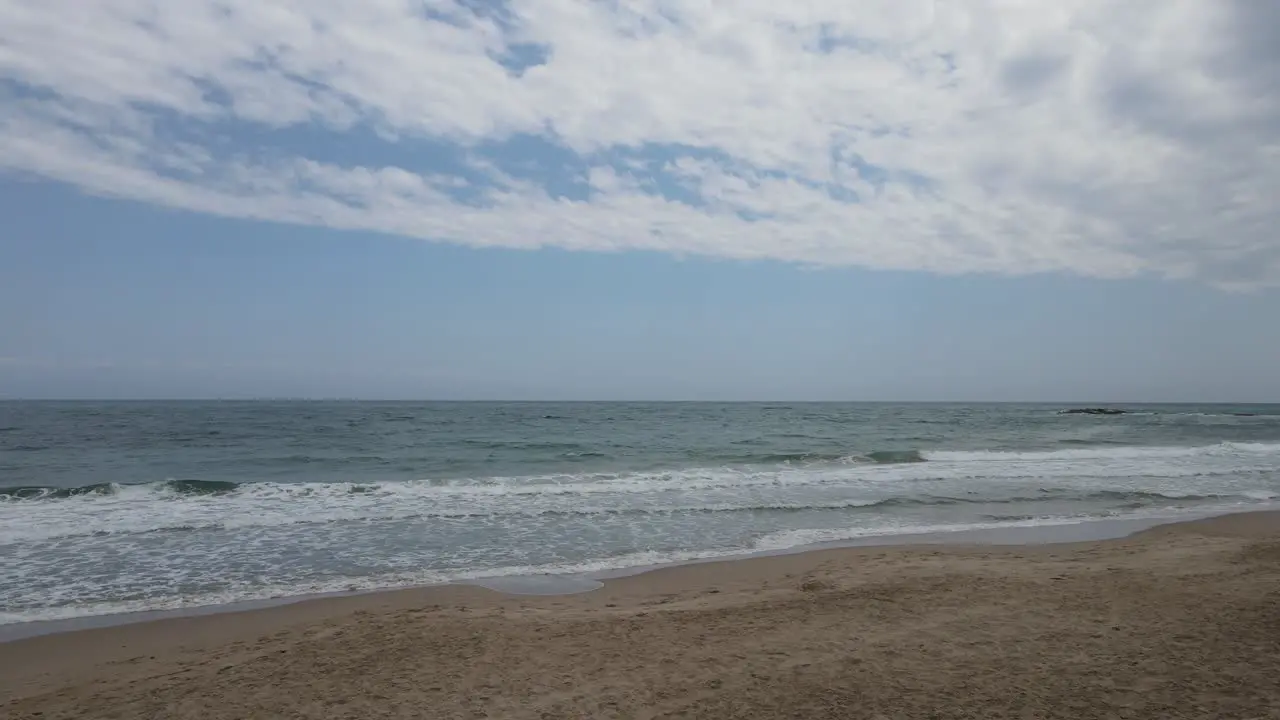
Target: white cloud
<point>1007,136</point>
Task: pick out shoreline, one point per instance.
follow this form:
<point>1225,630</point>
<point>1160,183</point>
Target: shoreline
<point>1066,532</point>
<point>1175,620</point>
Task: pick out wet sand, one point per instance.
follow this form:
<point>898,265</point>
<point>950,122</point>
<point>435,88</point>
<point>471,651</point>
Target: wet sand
<point>1179,621</point>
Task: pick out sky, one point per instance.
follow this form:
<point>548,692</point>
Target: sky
<point>641,199</point>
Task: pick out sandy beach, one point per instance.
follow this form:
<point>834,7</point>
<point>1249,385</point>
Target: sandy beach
<point>1180,621</point>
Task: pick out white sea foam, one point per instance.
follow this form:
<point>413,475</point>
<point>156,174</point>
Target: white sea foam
<point>65,606</point>
<point>165,546</point>
<point>389,581</point>
<point>1218,450</point>
<point>1226,469</point>
<point>805,537</point>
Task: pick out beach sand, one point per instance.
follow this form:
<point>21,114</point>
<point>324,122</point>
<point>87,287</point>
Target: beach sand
<point>1181,621</point>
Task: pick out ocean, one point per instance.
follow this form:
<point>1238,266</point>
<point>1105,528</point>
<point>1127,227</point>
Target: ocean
<point>110,507</point>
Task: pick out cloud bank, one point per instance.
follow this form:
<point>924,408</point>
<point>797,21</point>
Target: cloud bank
<point>1107,139</point>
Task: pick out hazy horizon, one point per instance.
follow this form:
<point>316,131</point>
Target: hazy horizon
<point>1119,404</point>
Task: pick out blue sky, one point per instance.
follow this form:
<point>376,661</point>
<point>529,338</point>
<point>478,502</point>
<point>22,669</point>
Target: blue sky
<point>649,200</point>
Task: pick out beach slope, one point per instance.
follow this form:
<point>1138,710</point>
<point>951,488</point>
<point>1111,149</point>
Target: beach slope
<point>1181,621</point>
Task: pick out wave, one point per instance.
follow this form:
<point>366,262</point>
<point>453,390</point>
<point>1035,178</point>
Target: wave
<point>200,487</point>
<point>208,487</point>
<point>595,568</point>
<point>1061,494</point>
<point>875,457</point>
<point>1117,476</point>
<point>1261,416</point>
<point>177,487</point>
<point>241,517</point>
<point>522,445</point>
<point>24,492</point>
<point>1086,449</point>
<point>798,539</point>
<point>896,465</point>
<point>892,457</point>
<point>1110,452</point>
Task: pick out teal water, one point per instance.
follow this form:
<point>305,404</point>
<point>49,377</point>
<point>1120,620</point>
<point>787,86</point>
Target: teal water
<point>110,507</point>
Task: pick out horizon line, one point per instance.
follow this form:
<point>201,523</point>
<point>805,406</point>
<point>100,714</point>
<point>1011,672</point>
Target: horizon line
<point>337,399</point>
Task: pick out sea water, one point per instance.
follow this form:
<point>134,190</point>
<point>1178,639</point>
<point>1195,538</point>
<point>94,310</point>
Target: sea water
<point>127,506</point>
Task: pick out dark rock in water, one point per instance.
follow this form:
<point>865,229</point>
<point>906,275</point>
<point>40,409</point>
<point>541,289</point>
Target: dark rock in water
<point>1245,414</point>
<point>1093,411</point>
